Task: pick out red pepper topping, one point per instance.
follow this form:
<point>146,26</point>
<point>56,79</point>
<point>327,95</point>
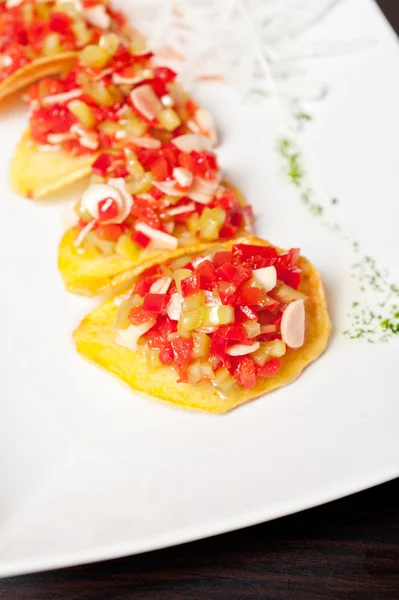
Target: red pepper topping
<point>155,302</point>
<point>255,317</point>
<point>107,209</point>
<point>109,231</point>
<point>141,239</point>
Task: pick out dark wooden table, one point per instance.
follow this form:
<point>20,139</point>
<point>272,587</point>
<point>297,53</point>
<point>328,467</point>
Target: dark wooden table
<point>347,549</point>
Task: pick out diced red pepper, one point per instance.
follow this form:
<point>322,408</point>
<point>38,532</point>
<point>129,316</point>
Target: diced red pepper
<point>166,354</point>
<point>221,258</point>
<point>138,316</point>
<point>109,231</point>
<point>155,302</point>
<point>289,275</point>
<point>159,168</point>
<point>158,85</point>
<point>227,231</point>
<point>140,238</point>
<point>190,285</point>
<point>246,251</point>
<point>60,22</point>
<point>227,200</point>
<point>102,164</point>
<point>155,193</point>
<point>248,296</point>
<point>245,313</point>
<point>290,258</point>
<point>218,345</point>
<point>185,160</point>
<point>143,286</point>
<point>243,274</point>
<point>107,209</point>
<point>206,274</point>
<point>182,349</point>
<point>234,332</point>
<point>226,272</point>
<point>245,372</point>
<point>167,75</point>
<point>270,369</point>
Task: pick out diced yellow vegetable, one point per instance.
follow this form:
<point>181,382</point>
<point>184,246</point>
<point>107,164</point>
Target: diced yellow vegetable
<point>223,380</point>
<point>134,166</point>
<point>110,43</point>
<point>179,275</point>
<point>189,321</point>
<point>82,213</point>
<point>94,56</point>
<point>68,8</point>
<point>206,370</point>
<point>193,302</point>
<point>135,126</point>
<point>83,112</point>
<point>286,294</point>
<point>137,45</point>
<point>267,351</point>
<point>43,10</point>
<point>193,223</point>
<point>51,44</point>
<point>169,119</point>
<point>194,372</point>
<point>252,328</point>
<point>211,222</point>
<point>27,13</point>
<point>81,31</point>
<point>218,315</point>
<point>127,248</point>
<point>178,263</point>
<point>109,127</point>
<point>201,345</point>
<point>122,316</point>
<point>153,359</point>
<point>140,186</point>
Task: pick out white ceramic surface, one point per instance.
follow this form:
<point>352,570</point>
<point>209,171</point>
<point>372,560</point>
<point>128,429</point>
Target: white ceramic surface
<point>88,470</point>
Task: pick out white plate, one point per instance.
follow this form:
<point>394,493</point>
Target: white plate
<point>90,471</point>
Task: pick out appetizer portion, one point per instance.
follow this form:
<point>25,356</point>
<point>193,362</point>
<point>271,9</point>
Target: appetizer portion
<point>142,206</point>
<point>214,329</point>
<point>38,39</point>
<point>113,98</point>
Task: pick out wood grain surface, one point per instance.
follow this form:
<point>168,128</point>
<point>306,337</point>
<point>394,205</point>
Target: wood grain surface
<point>345,550</point>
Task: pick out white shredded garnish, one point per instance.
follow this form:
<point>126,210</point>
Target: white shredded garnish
<point>83,232</point>
<point>62,98</point>
<point>255,45</point>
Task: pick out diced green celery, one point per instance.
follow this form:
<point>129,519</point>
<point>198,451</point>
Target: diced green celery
<point>267,351</point>
<point>83,112</point>
<point>286,294</point>
<point>201,345</point>
<point>94,56</point>
<point>218,315</point>
<point>193,302</point>
<point>189,321</point>
<point>252,328</point>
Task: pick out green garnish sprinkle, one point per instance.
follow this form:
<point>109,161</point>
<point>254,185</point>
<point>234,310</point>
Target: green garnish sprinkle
<point>374,316</point>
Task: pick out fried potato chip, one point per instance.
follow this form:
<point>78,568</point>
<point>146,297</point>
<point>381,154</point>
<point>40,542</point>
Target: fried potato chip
<point>35,173</point>
<point>86,271</point>
<point>35,70</point>
<point>94,339</point>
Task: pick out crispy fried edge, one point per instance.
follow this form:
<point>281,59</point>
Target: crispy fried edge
<point>94,339</point>
<point>89,275</point>
<point>35,174</point>
<point>38,68</point>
